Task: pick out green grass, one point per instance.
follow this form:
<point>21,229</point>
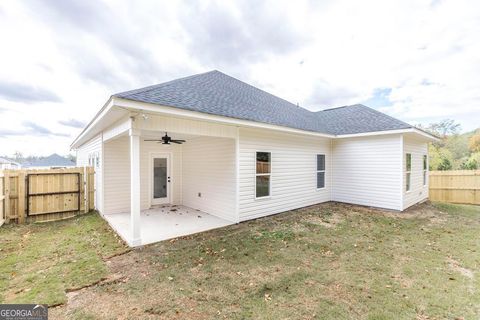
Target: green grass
<point>39,262</point>
<point>327,261</point>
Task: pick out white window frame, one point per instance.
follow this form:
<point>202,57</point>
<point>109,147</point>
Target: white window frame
<point>408,173</point>
<point>425,169</point>
<point>319,171</point>
<point>263,174</point>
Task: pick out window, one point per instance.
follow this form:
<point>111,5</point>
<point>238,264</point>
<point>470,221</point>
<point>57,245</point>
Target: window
<point>262,178</point>
<point>320,171</point>
<point>424,169</point>
<point>408,171</point>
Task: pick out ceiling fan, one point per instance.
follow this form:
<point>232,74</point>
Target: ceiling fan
<point>166,140</point>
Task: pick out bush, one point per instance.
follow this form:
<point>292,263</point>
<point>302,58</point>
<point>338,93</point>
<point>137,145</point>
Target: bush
<point>444,165</point>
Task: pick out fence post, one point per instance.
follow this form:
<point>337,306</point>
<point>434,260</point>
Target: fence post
<point>21,196</point>
<point>2,199</point>
<point>6,183</point>
<point>86,189</point>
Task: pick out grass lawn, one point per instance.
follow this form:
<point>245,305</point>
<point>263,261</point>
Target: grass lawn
<point>330,261</point>
<point>39,262</point>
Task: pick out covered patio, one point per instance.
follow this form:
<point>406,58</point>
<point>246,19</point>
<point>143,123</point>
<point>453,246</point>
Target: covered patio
<point>155,191</point>
<point>164,222</point>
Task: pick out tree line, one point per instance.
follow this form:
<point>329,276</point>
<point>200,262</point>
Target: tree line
<point>455,151</point>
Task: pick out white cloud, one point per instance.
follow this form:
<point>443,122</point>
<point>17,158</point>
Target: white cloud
<point>63,60</point>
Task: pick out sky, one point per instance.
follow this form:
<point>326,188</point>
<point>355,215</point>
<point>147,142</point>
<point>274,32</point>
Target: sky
<point>60,61</point>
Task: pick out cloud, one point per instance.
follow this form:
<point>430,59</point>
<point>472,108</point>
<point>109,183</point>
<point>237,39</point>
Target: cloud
<point>114,41</point>
<point>379,99</point>
<point>324,95</point>
<point>31,128</point>
<point>39,130</point>
<point>72,123</point>
<point>221,35</point>
<point>26,93</point>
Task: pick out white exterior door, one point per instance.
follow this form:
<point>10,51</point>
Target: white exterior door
<point>160,178</point>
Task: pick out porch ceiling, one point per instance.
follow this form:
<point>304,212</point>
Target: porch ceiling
<point>149,134</point>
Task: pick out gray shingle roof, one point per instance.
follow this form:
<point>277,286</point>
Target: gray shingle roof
<point>219,94</point>
<point>53,160</point>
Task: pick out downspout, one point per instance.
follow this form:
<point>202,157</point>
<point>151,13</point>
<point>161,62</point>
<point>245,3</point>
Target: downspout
<point>402,175</point>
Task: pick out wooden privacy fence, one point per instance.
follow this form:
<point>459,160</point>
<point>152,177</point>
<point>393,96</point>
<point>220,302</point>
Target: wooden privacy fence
<point>458,186</point>
<point>45,195</point>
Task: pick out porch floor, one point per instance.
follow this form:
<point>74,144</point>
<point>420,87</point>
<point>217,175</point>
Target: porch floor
<point>165,222</point>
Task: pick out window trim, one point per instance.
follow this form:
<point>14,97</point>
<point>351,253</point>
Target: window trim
<point>408,173</point>
<point>425,169</point>
<point>263,174</point>
<point>324,171</point>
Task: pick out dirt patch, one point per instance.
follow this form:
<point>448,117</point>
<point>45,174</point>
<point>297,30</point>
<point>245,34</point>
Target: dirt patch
<point>419,211</point>
<point>327,222</point>
<point>455,265</point>
<point>326,215</point>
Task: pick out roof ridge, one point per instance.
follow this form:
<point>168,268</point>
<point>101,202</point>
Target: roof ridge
<point>159,85</point>
<point>334,108</point>
<point>264,91</point>
<point>383,114</point>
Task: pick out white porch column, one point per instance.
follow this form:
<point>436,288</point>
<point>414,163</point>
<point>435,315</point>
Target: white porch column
<point>135,186</point>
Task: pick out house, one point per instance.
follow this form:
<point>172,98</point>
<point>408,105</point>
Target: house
<point>52,161</point>
<point>8,164</point>
<point>247,154</point>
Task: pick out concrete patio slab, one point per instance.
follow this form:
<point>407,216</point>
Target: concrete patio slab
<point>165,222</point>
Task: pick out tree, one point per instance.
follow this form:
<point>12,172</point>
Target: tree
<point>472,163</point>
<point>440,158</point>
<point>18,156</point>
<point>474,142</point>
<point>444,128</point>
<point>445,164</point>
<point>71,157</point>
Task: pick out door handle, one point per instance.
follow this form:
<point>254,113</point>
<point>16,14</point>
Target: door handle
<point>168,179</point>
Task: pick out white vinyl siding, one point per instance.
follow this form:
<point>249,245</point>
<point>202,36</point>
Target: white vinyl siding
<point>293,183</point>
<point>418,191</point>
<point>367,171</point>
<point>209,170</point>
<point>93,147</point>
<point>117,175</point>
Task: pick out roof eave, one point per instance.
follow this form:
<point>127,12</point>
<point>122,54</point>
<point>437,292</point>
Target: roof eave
<point>422,133</point>
<point>100,114</point>
<point>173,111</point>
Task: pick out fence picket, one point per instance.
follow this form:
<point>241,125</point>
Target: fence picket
<point>456,186</point>
<point>44,195</point>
